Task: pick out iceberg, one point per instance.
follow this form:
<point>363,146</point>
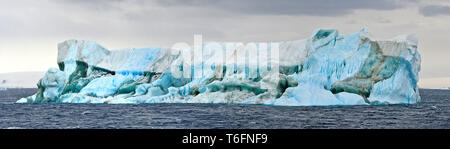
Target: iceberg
<point>327,69</point>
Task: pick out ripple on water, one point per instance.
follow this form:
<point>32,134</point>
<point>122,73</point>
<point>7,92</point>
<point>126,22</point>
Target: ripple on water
<point>432,112</point>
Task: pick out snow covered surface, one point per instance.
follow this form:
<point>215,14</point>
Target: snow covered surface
<point>20,79</point>
<point>435,83</point>
<point>327,69</point>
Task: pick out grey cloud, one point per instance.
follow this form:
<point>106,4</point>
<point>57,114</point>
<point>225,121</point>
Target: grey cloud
<point>262,7</point>
<point>434,10</point>
<point>99,5</point>
<point>291,7</point>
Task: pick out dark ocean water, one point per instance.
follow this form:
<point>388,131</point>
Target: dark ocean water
<point>432,112</point>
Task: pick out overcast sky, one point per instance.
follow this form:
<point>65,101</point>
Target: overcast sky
<point>31,29</point>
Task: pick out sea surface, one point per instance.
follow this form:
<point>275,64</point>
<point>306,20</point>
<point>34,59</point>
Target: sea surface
<point>433,112</point>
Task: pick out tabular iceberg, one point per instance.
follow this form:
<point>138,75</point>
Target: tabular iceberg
<point>326,69</point>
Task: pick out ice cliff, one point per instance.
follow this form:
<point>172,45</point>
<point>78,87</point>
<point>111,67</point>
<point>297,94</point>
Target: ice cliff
<point>327,69</point>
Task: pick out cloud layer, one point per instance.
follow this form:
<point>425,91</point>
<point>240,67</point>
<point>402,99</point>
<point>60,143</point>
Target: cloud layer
<point>435,10</point>
<point>288,7</point>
